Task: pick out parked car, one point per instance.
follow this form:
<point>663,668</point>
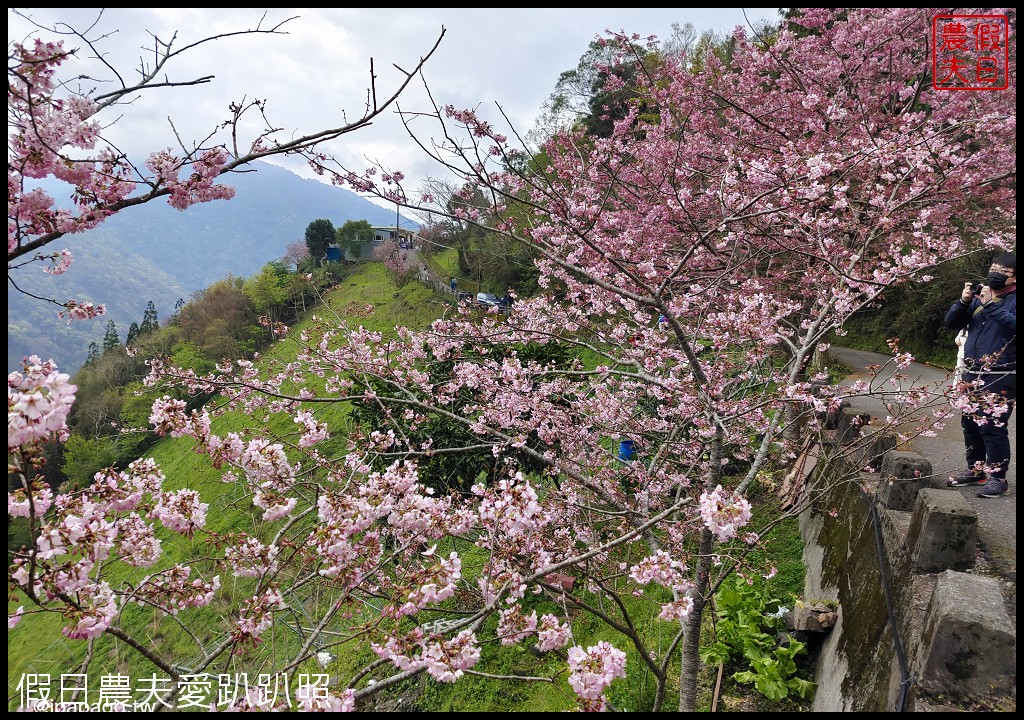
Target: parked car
<point>487,299</point>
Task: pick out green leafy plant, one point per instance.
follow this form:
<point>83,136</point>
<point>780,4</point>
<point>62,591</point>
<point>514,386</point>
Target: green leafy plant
<point>746,620</point>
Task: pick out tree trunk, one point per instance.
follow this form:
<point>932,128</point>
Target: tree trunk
<point>691,642</point>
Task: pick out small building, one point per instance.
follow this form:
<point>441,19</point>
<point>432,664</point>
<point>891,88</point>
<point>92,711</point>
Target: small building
<point>405,237</point>
<point>381,235</point>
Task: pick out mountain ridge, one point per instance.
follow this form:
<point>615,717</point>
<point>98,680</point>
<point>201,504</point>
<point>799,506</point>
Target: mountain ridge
<point>155,252</point>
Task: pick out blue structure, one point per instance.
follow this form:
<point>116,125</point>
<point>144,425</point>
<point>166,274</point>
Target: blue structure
<point>627,450</point>
<point>333,253</point>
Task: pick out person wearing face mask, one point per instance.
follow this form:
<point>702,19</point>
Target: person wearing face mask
<point>990,359</point>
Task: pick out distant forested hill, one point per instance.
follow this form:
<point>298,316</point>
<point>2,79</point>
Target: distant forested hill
<point>154,252</point>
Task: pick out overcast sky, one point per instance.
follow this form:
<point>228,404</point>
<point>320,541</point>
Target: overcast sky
<point>506,57</point>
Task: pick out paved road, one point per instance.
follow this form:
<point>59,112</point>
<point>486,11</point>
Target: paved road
<point>997,517</point>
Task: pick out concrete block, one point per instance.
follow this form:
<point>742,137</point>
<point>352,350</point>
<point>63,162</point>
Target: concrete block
<point>902,476</point>
<point>832,416</point>
<point>969,644</point>
<point>873,445</point>
<point>849,426</point>
<point>943,533</point>
<point>895,530</point>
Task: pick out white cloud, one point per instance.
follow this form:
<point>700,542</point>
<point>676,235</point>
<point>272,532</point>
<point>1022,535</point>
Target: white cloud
<point>321,68</point>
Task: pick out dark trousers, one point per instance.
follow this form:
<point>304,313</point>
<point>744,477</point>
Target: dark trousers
<point>988,442</point>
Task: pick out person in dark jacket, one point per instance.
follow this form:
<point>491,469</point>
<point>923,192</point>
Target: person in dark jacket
<point>989,313</point>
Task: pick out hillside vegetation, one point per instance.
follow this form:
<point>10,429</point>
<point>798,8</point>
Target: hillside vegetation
<point>371,297</point>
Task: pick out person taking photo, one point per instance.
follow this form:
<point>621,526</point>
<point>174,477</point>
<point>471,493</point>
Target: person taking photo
<point>988,311</point>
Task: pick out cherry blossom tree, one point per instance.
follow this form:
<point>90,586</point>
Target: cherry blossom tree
<point>703,257</point>
<point>295,253</point>
<point>691,264</point>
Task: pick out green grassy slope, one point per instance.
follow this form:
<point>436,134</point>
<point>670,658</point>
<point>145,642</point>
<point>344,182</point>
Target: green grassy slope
<point>36,645</point>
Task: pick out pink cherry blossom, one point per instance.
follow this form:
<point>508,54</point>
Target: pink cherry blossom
<point>94,615</point>
<point>172,590</point>
<point>59,262</point>
<point>257,615</point>
<point>513,626</point>
<point>593,669</point>
<point>18,504</point>
<point>181,511</point>
<point>552,634</point>
<point>38,402</point>
<point>76,310</point>
<point>251,558</point>
<point>724,512</point>
<point>139,545</point>
<point>310,700</point>
<point>313,433</point>
<point>447,661</point>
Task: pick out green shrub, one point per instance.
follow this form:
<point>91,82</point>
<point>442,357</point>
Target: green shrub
<point>746,620</point>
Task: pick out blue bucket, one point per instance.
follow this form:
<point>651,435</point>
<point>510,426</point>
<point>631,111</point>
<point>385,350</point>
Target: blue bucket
<point>627,450</point>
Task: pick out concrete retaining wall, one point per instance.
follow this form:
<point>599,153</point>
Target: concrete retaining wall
<point>917,628</point>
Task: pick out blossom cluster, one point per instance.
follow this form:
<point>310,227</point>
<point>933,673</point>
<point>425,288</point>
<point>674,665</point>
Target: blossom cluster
<point>593,669</point>
<point>251,558</point>
<point>257,615</point>
<point>59,262</point>
<point>429,585</point>
<point>444,660</point>
<point>313,431</point>
<point>553,634</point>
<point>315,699</point>
<point>724,512</point>
<point>173,590</point>
<point>76,310</point>
<point>38,402</point>
<point>513,626</point>
<point>199,186</point>
<point>180,510</point>
<point>20,504</point>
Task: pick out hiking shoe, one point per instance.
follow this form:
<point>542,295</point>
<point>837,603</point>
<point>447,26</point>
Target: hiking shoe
<point>993,488</point>
<point>968,477</point>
